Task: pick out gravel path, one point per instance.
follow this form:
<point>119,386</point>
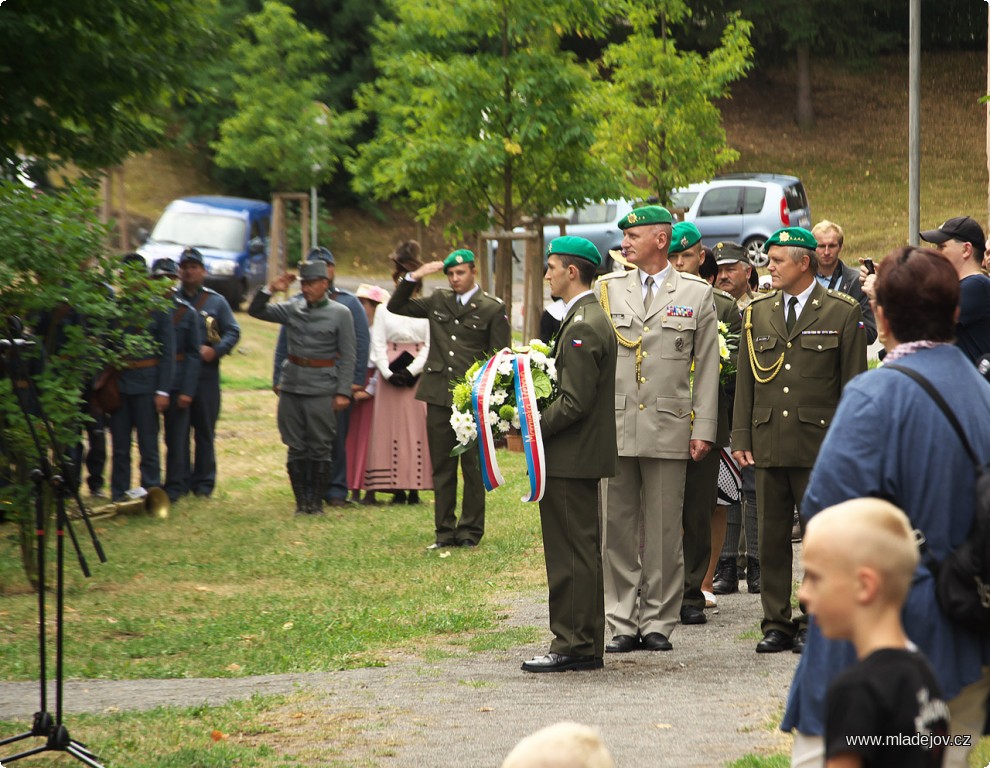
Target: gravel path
<point>710,700</point>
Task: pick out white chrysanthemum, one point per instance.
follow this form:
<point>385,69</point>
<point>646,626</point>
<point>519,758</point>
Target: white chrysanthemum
<point>723,348</point>
<point>536,345</point>
<point>722,327</point>
<point>492,417</point>
<point>502,426</point>
<point>515,420</point>
<point>551,368</point>
<point>505,367</point>
<point>538,358</point>
<point>499,396</point>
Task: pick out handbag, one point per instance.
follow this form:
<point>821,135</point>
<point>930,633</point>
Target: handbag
<point>105,394</point>
<point>962,579</point>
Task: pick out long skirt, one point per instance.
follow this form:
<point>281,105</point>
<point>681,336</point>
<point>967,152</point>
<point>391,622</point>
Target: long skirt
<point>358,437</point>
<point>398,452</point>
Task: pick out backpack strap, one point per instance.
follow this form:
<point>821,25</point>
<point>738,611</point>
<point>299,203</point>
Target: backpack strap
<point>943,406</point>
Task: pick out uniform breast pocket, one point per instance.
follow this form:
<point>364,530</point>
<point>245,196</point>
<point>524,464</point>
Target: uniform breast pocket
<point>440,316</point>
<point>765,349</point>
<point>677,339</point>
<point>623,324</point>
<point>819,356</point>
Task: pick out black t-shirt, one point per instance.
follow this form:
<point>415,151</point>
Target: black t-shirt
<point>973,328</point>
<point>878,707</point>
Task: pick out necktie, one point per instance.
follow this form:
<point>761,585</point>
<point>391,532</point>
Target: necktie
<point>648,298</point>
<point>791,313</point>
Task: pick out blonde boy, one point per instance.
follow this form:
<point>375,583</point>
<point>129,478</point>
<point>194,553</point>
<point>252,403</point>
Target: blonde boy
<point>562,745</point>
<point>885,710</point>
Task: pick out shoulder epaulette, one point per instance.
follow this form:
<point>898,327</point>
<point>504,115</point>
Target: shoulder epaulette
<point>612,275</point>
<point>723,294</point>
<point>762,296</point>
<point>844,296</point>
<point>695,278</point>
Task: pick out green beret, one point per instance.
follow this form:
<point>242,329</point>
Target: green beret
<point>648,214</point>
<point>729,253</point>
<point>568,245</point>
<point>792,237</point>
<point>460,256</point>
<point>685,235</point>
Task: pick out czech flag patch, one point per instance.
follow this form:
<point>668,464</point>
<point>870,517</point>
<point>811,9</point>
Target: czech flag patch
<point>577,343</point>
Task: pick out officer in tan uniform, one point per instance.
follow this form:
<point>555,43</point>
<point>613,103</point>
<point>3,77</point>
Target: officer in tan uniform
<point>701,482</point>
<point>664,323</point>
<point>466,324</point>
<point>800,344</point>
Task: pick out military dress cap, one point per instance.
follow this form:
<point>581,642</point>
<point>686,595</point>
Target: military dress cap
<point>730,253</point>
<point>164,268</point>
<point>684,235</point>
<point>458,257</point>
<point>648,214</point>
<point>582,248</point>
<point>963,228</point>
<point>321,254</point>
<point>191,254</point>
<point>313,270</point>
<point>792,237</point>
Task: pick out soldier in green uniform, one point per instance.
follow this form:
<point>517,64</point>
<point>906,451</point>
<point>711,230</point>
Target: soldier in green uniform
<point>579,445</point>
<point>701,478</point>
<point>466,324</point>
<point>800,344</point>
<point>316,377</point>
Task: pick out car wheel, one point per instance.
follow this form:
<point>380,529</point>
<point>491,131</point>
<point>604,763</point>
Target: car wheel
<point>754,249</point>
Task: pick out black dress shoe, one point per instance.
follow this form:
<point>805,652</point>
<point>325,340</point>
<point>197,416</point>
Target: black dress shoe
<point>622,644</point>
<point>656,642</point>
<point>774,641</point>
<point>555,662</point>
<point>799,640</point>
<point>691,614</point>
<point>467,543</point>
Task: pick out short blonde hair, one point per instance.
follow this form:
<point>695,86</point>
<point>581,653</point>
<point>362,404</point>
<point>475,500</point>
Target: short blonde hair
<point>828,226</point>
<point>871,533</point>
<point>562,745</point>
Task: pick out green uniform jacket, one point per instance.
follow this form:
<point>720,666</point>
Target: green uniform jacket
<point>783,421</point>
<point>579,426</point>
<point>728,313</point>
<point>459,335</point>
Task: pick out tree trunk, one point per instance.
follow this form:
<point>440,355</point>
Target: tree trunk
<point>805,112</point>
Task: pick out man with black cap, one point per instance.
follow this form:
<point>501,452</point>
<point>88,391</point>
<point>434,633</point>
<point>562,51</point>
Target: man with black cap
<point>702,512</point>
<point>144,383</point>
<point>960,240</point>
<point>315,378</point>
<point>221,333</point>
<point>336,495</point>
<point>466,324</point>
<point>578,431</point>
<point>800,344</point>
<point>187,327</point>
<point>665,325</point>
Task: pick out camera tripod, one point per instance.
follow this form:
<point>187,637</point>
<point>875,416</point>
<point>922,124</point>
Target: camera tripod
<point>62,484</point>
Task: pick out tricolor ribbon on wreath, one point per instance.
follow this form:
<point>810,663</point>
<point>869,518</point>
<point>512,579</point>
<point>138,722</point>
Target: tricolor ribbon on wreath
<point>528,415</point>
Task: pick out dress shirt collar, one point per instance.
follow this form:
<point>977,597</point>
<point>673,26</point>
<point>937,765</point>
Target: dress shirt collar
<point>464,298</point>
<point>801,297</point>
<point>572,302</point>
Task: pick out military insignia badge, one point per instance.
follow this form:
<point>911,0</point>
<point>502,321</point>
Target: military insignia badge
<point>459,259</point>
<point>784,237</point>
<point>678,343</point>
<point>679,311</point>
<point>632,218</point>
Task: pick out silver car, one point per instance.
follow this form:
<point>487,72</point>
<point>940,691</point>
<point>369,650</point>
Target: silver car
<point>744,207</point>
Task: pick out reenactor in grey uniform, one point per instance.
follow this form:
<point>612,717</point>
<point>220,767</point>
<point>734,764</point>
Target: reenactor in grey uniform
<point>316,378</point>
<point>221,333</point>
<point>466,324</point>
<point>144,389</point>
<point>701,477</point>
<point>801,343</point>
<point>186,325</point>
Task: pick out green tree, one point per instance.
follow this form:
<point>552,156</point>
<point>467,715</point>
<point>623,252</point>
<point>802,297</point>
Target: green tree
<point>661,124</point>
<point>88,82</point>
<point>280,129</point>
<point>55,263</point>
<point>480,111</point>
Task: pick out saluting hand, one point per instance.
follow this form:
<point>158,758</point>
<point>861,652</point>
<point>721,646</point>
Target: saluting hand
<point>282,282</point>
<point>427,269</point>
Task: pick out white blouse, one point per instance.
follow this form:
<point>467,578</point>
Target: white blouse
<point>390,328</point>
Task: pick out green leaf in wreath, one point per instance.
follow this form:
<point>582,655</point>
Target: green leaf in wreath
<point>542,384</point>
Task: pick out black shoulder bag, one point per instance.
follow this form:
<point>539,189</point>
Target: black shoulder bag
<point>962,580</point>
